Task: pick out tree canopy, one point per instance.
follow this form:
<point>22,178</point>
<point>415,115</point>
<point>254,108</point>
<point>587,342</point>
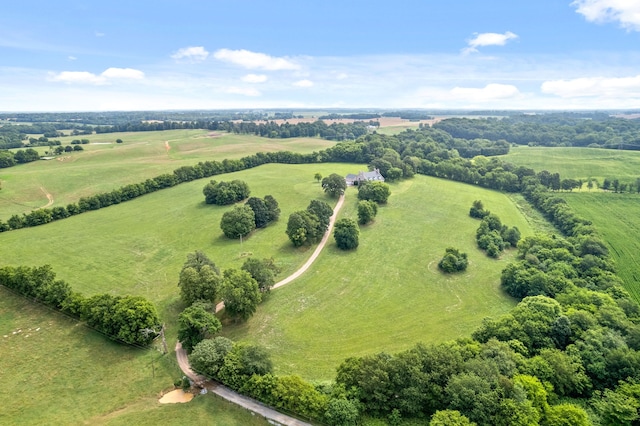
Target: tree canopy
<point>334,185</point>
<point>238,222</point>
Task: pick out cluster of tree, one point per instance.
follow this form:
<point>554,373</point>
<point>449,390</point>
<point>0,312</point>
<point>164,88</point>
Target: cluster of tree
<point>21,156</point>
<point>80,142</point>
<point>224,193</point>
<point>453,261</point>
<point>478,211</point>
<point>240,290</point>
<point>614,184</point>
<point>67,148</point>
<point>255,213</point>
<point>248,369</point>
<point>375,191</point>
<point>493,237</point>
<point>265,210</point>
<point>43,141</point>
<point>553,129</point>
<point>408,115</point>
<point>307,227</point>
<point>334,131</point>
<point>129,319</point>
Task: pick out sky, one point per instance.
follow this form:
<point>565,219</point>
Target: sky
<point>81,55</point>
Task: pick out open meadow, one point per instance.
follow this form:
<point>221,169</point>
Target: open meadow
<point>56,371</point>
<point>616,218</point>
<point>579,163</point>
<point>105,165</point>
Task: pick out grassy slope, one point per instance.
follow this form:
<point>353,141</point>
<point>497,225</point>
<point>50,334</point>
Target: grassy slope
<point>579,163</point>
<point>615,217</point>
<point>64,373</point>
<point>142,155</point>
<point>388,294</point>
<point>144,256</point>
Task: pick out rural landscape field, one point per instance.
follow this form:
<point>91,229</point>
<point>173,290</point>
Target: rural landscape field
<point>384,297</point>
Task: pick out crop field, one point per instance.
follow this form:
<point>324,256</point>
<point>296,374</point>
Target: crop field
<point>579,163</point>
<point>616,218</point>
<point>105,165</point>
<point>55,371</point>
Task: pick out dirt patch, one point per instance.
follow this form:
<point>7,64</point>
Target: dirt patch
<point>177,396</point>
<point>49,197</point>
<point>214,135</point>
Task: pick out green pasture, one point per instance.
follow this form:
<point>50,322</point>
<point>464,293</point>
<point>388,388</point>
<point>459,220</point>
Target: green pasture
<point>394,130</point>
<point>56,371</point>
<point>579,163</point>
<point>385,296</point>
<point>105,165</point>
<point>616,218</point>
<point>388,294</point>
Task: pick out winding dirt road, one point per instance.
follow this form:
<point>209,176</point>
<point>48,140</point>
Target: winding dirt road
<point>311,259</point>
<point>232,396</point>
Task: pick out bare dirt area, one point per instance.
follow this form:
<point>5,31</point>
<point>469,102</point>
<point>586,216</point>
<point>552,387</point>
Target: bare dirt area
<point>177,396</point>
<point>49,197</point>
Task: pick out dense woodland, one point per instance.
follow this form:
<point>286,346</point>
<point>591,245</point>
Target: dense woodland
<point>568,354</point>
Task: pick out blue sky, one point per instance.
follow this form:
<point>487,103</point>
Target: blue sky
<point>461,54</point>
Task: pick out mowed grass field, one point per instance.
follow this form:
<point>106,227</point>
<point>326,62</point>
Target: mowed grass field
<point>105,165</point>
<point>390,286</point>
<point>616,218</point>
<point>55,371</point>
<point>579,163</point>
<point>388,294</point>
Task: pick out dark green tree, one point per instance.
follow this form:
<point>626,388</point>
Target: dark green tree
<point>260,211</point>
<point>199,279</point>
<point>238,222</point>
<point>240,293</point>
<point>374,191</point>
<point>197,323</point>
<point>334,185</point>
<point>346,234</point>
<point>367,210</point>
<point>208,356</point>
<point>303,228</point>
<point>263,271</point>
<point>453,261</point>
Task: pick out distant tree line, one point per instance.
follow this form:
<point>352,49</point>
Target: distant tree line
<point>129,319</point>
<point>21,156</point>
<point>550,129</point>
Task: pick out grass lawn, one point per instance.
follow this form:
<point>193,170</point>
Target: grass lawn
<point>615,216</point>
<point>579,163</point>
<point>388,294</point>
<point>105,165</point>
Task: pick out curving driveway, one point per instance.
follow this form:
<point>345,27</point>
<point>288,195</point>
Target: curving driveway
<point>235,397</point>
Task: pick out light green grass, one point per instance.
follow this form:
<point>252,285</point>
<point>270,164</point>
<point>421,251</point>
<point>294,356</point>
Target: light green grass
<point>616,218</point>
<point>390,286</point>
<point>388,294</point>
<point>394,130</point>
<point>55,371</point>
<point>143,155</point>
<point>578,163</point>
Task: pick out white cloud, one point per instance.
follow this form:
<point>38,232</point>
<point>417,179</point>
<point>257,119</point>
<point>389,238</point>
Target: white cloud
<point>488,39</point>
<point>490,92</point>
<point>85,77</point>
<point>254,78</point>
<point>620,87</point>
<point>71,58</point>
<point>99,34</point>
<point>191,53</point>
<point>123,73</point>
<point>255,60</point>
<point>246,91</point>
<point>303,83</point>
<point>626,12</point>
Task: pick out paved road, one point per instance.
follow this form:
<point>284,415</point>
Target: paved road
<point>232,396</point>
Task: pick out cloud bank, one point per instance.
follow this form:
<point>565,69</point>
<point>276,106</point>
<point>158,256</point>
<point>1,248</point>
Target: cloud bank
<point>255,60</point>
<point>625,12</point>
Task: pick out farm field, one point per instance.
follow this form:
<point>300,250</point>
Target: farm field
<point>105,165</point>
<point>55,371</point>
<point>615,216</point>
<point>578,163</point>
